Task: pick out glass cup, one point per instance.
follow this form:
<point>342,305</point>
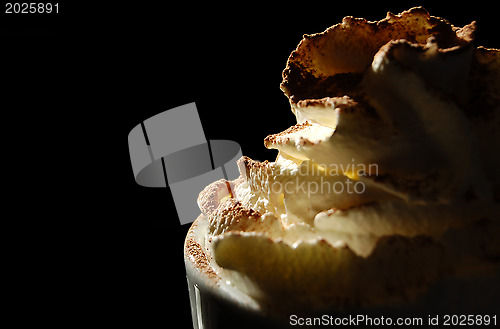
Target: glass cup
<point>216,304</point>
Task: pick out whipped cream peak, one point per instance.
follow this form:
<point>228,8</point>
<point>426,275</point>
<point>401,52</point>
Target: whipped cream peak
<point>392,163</point>
<point>329,63</point>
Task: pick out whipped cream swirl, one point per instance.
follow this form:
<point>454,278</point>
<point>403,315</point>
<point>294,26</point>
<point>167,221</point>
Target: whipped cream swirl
<point>390,171</point>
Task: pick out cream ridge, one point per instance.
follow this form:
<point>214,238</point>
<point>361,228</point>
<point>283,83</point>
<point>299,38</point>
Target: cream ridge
<point>387,183</point>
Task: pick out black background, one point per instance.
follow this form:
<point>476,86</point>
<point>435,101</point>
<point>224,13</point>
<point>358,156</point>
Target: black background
<point>76,83</point>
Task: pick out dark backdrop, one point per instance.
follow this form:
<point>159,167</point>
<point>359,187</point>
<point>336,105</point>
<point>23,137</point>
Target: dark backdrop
<point>77,82</point>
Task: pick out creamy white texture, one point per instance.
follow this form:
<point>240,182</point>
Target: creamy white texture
<point>397,159</point>
<point>418,157</point>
